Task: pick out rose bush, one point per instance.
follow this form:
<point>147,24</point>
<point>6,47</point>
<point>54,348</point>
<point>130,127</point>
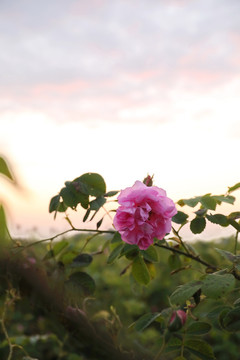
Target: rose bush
<point>184,322</point>
<point>145,213</point>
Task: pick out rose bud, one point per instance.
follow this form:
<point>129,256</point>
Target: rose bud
<point>148,180</point>
<point>177,320</point>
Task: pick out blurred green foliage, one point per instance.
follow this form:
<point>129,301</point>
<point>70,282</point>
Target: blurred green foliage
<point>117,302</point>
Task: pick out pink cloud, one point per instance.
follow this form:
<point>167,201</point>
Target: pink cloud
<point>60,89</point>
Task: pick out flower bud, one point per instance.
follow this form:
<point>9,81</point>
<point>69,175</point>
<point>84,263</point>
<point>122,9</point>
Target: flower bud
<point>177,320</point>
<point>148,180</point>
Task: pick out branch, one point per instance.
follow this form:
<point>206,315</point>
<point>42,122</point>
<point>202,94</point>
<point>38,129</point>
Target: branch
<point>195,258</point>
<point>63,233</point>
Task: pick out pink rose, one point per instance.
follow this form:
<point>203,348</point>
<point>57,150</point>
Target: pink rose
<point>145,213</point>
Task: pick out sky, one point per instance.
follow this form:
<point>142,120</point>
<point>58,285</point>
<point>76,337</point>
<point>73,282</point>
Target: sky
<point>119,87</point>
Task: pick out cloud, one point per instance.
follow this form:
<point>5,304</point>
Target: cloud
<point>101,58</point>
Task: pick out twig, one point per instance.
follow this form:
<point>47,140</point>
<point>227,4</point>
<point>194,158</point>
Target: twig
<point>196,258</point>
<point>63,233</point>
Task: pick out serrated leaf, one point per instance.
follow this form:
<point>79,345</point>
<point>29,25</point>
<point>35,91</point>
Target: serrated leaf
<point>216,286</point>
<point>198,328</point>
<point>150,254</point>
<point>115,253</point>
<point>198,224</point>
<point>140,271</point>
<point>190,202</point>
<point>225,198</point>
<point>144,321</point>
<point>184,292</point>
<point>218,219</point>
<point>180,217</point>
<point>208,202</point>
<point>234,187</point>
<point>5,170</point>
<point>200,348</point>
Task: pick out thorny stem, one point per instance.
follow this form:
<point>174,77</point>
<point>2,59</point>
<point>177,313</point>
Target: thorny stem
<point>196,258</point>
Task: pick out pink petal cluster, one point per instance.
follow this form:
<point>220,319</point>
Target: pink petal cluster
<point>181,315</point>
<point>145,213</point>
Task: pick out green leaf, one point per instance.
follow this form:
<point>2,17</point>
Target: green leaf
<point>150,254</point>
<point>235,224</point>
<point>115,253</point>
<point>99,223</point>
<point>199,328</point>
<point>140,271</point>
<point>82,260</point>
<point>4,234</point>
<point>222,198</point>
<point>97,203</point>
<point>69,198</point>
<point>234,215</point>
<point>184,292</point>
<point>91,184</point>
<point>231,320</point>
<point>111,193</point>
<point>81,282</point>
<point>130,251</point>
<point>228,255</point>
<point>200,348</point>
<point>218,219</point>
<point>87,213</point>
<point>62,207</point>
<point>198,224</point>
<point>234,187</point>
<point>54,203</point>
<point>208,202</point>
<point>144,321</point>
<point>116,238</point>
<point>190,202</point>
<point>5,170</point>
<point>201,212</point>
<point>180,217</point>
<point>216,286</point>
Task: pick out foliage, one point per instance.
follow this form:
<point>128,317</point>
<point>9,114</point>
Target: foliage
<point>93,296</point>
